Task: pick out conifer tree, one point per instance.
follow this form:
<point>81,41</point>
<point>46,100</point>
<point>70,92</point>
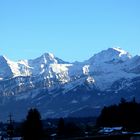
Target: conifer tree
<point>32,127</point>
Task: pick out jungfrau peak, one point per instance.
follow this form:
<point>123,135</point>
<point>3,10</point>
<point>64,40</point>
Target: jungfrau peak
<point>60,89</point>
<point>111,55</point>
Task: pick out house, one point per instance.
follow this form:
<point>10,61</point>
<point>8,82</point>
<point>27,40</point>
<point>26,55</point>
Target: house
<point>110,130</point>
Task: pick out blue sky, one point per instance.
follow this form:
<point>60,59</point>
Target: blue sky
<point>70,29</point>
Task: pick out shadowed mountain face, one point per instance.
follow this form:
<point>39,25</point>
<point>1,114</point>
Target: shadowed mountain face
<point>60,89</point>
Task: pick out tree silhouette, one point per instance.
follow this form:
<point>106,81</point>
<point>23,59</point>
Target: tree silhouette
<point>61,127</point>
<point>32,127</point>
<point>126,114</point>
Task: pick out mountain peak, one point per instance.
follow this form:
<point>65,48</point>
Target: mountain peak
<point>49,55</point>
<point>46,58</point>
<point>3,58</point>
<point>111,54</point>
<point>120,51</point>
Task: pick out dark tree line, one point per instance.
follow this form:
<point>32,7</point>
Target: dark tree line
<point>126,114</point>
<point>32,128</point>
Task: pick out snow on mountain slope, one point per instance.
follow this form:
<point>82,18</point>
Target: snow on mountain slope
<point>63,87</point>
<point>108,66</point>
<point>103,68</point>
<point>8,68</point>
<point>111,55</point>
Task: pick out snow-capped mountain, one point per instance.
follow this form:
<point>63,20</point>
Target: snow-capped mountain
<point>60,89</point>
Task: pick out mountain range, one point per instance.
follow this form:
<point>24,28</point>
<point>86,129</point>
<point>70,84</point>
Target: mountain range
<point>62,89</point>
